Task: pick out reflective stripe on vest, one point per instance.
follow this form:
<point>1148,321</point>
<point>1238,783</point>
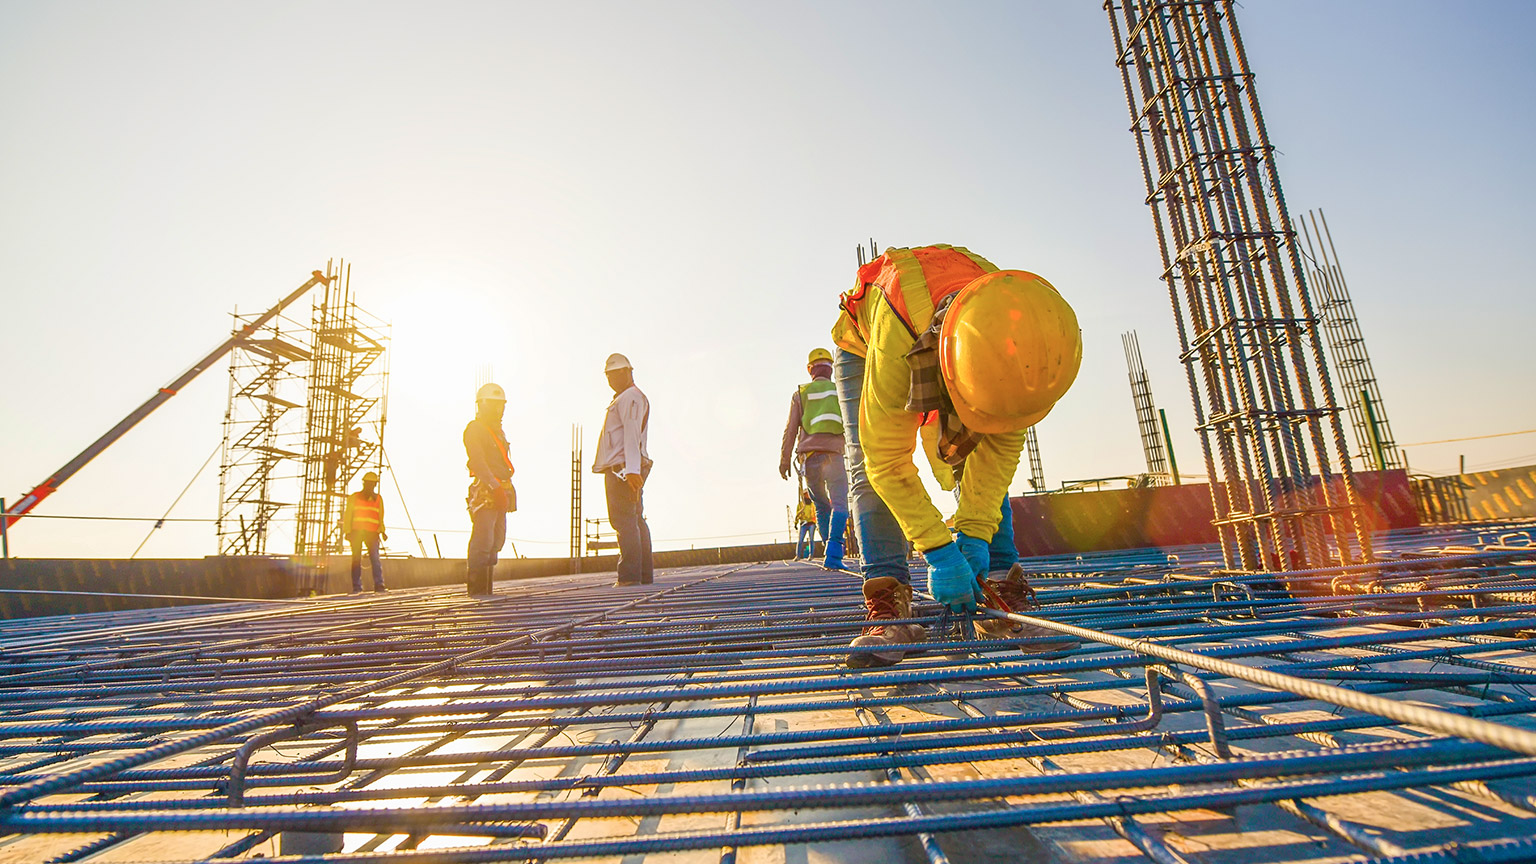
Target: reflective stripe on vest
<point>819,413</point>
<point>367,513</point>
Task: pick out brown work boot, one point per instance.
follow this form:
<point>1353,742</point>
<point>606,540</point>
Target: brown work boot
<point>887,598</point>
<point>1014,590</point>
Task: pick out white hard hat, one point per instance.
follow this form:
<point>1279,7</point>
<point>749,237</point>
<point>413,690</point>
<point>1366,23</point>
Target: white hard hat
<point>490,391</point>
<point>617,361</point>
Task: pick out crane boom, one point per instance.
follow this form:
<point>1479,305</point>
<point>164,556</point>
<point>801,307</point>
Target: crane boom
<point>51,485</point>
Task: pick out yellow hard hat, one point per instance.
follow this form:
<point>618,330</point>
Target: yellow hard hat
<point>371,477</point>
<point>821,355</point>
<point>1009,348</point>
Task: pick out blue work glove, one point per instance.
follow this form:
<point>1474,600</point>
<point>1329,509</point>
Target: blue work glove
<point>950,578</point>
<point>978,553</point>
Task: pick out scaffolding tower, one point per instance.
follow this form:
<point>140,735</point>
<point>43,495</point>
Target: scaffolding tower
<point>1357,380</point>
<point>344,424</point>
<point>1036,473</point>
<point>1146,411</point>
<point>1272,438</point>
<point>263,433</point>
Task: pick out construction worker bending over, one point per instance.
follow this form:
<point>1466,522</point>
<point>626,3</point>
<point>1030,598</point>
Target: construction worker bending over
<point>491,495</point>
<point>938,339</point>
<point>625,463</point>
<point>805,520</point>
<point>815,435</point>
<point>362,523</point>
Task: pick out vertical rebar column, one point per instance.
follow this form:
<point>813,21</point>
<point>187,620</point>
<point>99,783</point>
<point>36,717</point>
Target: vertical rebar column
<point>1146,412</point>
<point>1248,334</point>
<point>576,477</point>
<point>1373,434</point>
<point>1036,473</point>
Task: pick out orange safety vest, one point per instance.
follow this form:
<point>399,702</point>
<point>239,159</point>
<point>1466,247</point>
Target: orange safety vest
<point>941,270</point>
<point>367,513</point>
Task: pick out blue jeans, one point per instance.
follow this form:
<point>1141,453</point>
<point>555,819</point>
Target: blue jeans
<point>489,534</point>
<point>1003,552</point>
<point>828,485</point>
<point>359,539</point>
<point>883,546</point>
<point>626,513</point>
<point>807,538</point>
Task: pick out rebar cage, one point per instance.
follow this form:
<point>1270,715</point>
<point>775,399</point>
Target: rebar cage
<point>1248,332</point>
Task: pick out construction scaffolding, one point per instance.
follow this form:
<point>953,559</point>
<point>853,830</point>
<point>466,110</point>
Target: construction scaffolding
<point>1357,380</point>
<point>1272,438</point>
<point>1036,472</point>
<point>1147,418</point>
<point>344,423</point>
<point>262,453</point>
<point>1174,713</point>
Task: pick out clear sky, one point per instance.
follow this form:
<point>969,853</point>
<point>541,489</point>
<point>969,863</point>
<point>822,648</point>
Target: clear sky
<point>532,186</point>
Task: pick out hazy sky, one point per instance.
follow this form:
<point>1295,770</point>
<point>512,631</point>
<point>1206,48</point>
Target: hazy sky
<point>533,186</point>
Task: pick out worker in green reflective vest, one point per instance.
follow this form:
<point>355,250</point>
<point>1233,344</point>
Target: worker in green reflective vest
<point>813,437</point>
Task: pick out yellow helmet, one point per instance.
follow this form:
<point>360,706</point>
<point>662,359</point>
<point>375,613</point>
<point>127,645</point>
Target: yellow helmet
<point>821,355</point>
<point>1009,348</point>
<point>371,477</point>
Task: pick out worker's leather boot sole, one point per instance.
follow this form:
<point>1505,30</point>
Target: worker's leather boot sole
<point>909,644</point>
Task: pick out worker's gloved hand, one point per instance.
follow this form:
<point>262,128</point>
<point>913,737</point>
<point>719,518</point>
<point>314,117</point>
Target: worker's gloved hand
<point>950,578</point>
<point>977,553</point>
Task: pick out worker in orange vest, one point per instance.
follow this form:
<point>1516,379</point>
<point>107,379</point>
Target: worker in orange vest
<point>362,523</point>
<point>491,494</point>
<point>937,345</point>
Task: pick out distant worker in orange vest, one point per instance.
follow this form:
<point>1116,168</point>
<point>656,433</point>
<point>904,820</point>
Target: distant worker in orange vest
<point>491,496</point>
<point>362,523</point>
<point>935,343</point>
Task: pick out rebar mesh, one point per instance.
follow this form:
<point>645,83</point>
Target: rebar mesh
<point>713,712</point>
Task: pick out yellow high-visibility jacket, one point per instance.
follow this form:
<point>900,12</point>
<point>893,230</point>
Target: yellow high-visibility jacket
<point>892,302</point>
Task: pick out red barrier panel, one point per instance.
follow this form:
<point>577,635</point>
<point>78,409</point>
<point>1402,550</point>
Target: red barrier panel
<point>1068,522</point>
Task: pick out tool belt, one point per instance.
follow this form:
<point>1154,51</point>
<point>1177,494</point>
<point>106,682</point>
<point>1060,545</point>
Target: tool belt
<point>501,498</point>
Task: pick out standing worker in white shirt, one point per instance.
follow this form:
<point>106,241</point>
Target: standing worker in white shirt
<point>625,464</point>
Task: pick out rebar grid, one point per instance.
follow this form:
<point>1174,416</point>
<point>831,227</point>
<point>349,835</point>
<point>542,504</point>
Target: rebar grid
<point>712,712</point>
<point>1271,440</point>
